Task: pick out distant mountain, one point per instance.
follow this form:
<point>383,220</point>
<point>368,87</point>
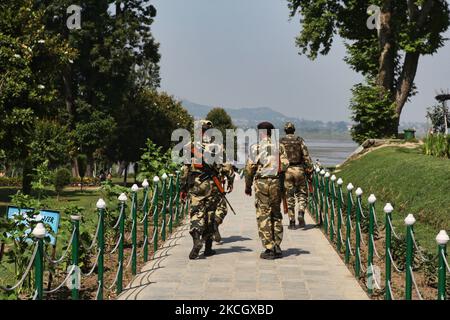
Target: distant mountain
<point>250,117</point>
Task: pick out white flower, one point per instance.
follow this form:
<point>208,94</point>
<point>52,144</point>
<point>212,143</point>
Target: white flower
<point>42,87</point>
<point>17,56</point>
<point>41,41</point>
<point>70,61</point>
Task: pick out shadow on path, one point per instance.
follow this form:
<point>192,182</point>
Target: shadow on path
<point>235,239</point>
<point>233,249</point>
<point>294,252</point>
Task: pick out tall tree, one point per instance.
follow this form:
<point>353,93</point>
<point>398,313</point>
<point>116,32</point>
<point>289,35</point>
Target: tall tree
<point>117,57</point>
<point>387,57</point>
<point>30,60</point>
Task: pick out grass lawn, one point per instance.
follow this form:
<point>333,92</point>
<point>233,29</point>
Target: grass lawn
<point>411,182</point>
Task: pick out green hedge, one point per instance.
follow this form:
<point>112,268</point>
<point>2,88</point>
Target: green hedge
<point>10,182</point>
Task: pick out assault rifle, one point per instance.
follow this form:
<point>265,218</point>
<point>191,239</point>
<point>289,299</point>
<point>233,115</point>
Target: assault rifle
<point>209,172</point>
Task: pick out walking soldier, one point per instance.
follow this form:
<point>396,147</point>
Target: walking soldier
<point>264,168</point>
<point>300,167</point>
<point>200,180</point>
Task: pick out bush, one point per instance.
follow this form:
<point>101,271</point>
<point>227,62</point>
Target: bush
<point>10,182</point>
<point>437,145</point>
<point>88,181</point>
<point>63,177</point>
<point>373,113</point>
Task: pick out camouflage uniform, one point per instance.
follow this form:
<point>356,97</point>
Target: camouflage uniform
<point>205,199</point>
<point>265,172</point>
<point>227,174</point>
<point>295,179</point>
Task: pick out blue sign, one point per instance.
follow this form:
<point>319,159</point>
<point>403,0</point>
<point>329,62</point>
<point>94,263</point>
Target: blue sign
<point>48,217</point>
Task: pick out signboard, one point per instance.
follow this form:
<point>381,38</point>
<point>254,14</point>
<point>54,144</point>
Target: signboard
<point>48,217</point>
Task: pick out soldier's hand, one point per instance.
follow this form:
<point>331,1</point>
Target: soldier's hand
<point>229,187</point>
<point>183,196</point>
<point>248,191</point>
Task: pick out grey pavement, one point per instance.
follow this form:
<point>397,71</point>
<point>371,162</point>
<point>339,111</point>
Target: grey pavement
<point>310,268</point>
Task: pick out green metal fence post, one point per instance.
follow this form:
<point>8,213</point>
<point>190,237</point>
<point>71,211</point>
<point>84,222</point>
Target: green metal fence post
<point>39,234</point>
<point>101,205</point>
<point>321,191</point>
<point>316,193</point>
<point>134,191</point>
<point>340,182</point>
<point>371,244</point>
<point>348,223</point>
<point>442,239</point>
<point>326,182</point>
<point>75,245</point>
<point>388,234</point>
<point>177,197</point>
<point>155,213</point>
<point>309,195</point>
<point>145,185</point>
<point>333,206</point>
<point>171,202</point>
<point>358,193</point>
<point>164,206</point>
<point>409,221</point>
<point>122,198</point>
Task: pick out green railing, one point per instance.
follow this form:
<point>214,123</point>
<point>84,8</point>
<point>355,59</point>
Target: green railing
<point>327,205</point>
<point>161,201</point>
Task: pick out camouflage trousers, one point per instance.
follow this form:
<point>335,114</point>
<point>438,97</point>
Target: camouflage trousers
<point>221,211</point>
<point>296,190</point>
<point>268,212</point>
<point>204,203</point>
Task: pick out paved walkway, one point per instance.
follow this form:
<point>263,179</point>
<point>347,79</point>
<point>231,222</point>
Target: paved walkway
<point>310,269</point>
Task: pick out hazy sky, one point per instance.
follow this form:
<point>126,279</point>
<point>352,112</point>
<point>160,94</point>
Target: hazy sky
<point>242,53</point>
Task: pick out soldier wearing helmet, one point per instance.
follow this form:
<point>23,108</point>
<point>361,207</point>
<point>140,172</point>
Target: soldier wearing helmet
<point>295,181</point>
<point>198,184</point>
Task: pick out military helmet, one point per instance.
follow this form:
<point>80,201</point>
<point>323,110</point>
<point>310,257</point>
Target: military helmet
<point>289,127</point>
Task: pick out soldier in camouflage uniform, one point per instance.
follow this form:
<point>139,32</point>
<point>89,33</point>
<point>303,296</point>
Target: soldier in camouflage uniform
<point>196,180</point>
<point>300,166</point>
<point>266,163</point>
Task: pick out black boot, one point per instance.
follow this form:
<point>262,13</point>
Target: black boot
<point>301,219</point>
<point>197,246</point>
<point>268,254</point>
<point>291,225</point>
<point>278,253</point>
<point>208,248</point>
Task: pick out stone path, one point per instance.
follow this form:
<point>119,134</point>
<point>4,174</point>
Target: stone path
<point>310,269</point>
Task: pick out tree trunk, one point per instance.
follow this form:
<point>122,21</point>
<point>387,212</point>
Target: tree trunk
<point>125,174</point>
<point>75,171</point>
<point>386,70</point>
<point>90,167</point>
<point>406,81</point>
<point>27,176</point>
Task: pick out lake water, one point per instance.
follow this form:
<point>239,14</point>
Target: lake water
<point>330,152</point>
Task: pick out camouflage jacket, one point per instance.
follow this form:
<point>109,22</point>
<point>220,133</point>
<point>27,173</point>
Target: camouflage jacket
<point>189,172</point>
<point>296,151</point>
<point>266,160</point>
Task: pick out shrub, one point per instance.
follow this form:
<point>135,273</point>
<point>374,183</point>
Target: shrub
<point>437,145</point>
<point>10,182</point>
<point>373,113</point>
<point>63,177</point>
